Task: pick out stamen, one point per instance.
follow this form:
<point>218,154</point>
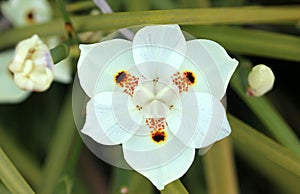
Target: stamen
<point>139,107</point>
<point>126,81</point>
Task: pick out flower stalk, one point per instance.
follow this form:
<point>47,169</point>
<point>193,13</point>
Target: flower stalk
<point>61,51</point>
<point>68,23</point>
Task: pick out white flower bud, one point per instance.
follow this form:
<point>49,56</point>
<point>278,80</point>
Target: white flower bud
<point>32,65</point>
<point>261,80</point>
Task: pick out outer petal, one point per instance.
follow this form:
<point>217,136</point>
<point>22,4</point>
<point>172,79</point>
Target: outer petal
<point>62,71</point>
<point>155,46</point>
<point>208,117</point>
<point>161,164</point>
<point>103,121</point>
<point>9,92</point>
<point>112,56</point>
<point>214,65</point>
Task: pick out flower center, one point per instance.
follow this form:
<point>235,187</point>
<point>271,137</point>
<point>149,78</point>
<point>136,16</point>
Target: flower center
<point>155,97</point>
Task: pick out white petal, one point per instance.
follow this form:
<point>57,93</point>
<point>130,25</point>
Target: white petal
<point>9,92</point>
<point>156,46</point>
<point>215,66</point>
<point>109,56</point>
<point>62,71</point>
<point>200,125</point>
<point>108,121</point>
<point>160,163</point>
<point>16,11</point>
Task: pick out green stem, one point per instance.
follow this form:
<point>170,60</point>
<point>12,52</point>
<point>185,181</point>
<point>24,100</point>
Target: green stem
<point>10,176</point>
<point>78,6</point>
<point>68,23</point>
<point>266,112</point>
<point>175,187</point>
<point>219,168</point>
<point>61,51</point>
<point>229,15</point>
<point>21,158</point>
<point>59,149</point>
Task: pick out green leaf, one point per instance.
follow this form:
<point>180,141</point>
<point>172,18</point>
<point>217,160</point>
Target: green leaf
<point>255,143</point>
<point>250,42</point>
<point>175,187</point>
<point>130,180</point>
<point>266,112</point>
<point>23,160</point>
<point>10,176</point>
<point>277,163</point>
<point>225,15</point>
<point>220,168</point>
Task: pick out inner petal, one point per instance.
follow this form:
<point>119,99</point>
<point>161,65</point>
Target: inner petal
<point>157,109</point>
<point>144,93</point>
<point>167,93</point>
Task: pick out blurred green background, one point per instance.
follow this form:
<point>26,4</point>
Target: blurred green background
<point>40,138</point>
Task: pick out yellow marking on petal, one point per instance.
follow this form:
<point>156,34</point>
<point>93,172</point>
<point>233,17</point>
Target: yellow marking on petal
<point>159,136</point>
<point>190,76</point>
<point>127,81</point>
<point>158,133</point>
<point>120,77</point>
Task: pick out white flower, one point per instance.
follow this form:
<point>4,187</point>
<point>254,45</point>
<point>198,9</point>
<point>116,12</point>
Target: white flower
<point>261,80</point>
<point>32,65</point>
<point>158,96</point>
<point>9,92</point>
<point>21,13</point>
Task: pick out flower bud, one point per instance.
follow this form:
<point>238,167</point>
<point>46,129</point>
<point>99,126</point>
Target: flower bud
<point>32,65</point>
<point>261,80</point>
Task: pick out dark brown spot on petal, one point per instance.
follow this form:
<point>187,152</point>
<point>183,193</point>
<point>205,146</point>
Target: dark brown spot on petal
<point>30,16</point>
<point>120,77</point>
<point>190,76</point>
<point>159,136</point>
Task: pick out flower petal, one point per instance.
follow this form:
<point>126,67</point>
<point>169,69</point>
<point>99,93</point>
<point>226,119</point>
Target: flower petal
<point>108,121</point>
<point>21,13</point>
<point>109,56</point>
<point>160,163</point>
<point>214,65</point>
<point>157,49</point>
<point>202,126</point>
<point>62,71</point>
<point>10,93</point>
